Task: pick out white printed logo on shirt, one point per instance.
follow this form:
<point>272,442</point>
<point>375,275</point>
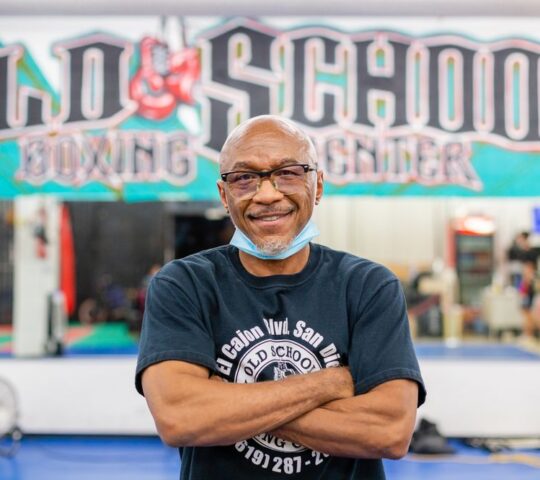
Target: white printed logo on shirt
<point>273,353</point>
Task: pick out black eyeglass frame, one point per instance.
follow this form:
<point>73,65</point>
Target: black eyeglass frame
<point>268,173</point>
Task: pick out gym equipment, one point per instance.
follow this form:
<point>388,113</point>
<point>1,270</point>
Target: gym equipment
<point>10,433</point>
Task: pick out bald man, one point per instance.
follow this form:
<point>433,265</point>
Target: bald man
<point>274,357</point>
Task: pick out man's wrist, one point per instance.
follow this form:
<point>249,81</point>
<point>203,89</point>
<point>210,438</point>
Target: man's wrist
<point>337,383</point>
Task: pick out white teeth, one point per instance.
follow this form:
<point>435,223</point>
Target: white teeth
<point>269,218</point>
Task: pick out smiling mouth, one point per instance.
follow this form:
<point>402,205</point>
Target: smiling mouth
<point>269,217</point>
<point>272,218</point>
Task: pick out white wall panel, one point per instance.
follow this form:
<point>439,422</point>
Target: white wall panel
<point>413,232</point>
<point>35,277</point>
<point>387,230</point>
<point>97,396</point>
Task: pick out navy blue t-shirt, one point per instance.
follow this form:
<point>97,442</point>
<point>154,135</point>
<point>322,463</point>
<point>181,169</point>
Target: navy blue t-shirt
<point>339,310</point>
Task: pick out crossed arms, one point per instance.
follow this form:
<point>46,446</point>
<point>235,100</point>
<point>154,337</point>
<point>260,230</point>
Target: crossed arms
<point>318,410</point>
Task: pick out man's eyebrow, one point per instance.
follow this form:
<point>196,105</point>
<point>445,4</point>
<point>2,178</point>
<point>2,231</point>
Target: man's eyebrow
<point>250,165</point>
<point>240,165</point>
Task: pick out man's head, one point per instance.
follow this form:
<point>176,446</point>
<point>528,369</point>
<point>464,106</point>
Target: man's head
<point>523,240</point>
<point>268,216</point>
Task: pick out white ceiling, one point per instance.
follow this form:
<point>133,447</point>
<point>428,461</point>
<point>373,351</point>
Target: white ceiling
<point>486,8</point>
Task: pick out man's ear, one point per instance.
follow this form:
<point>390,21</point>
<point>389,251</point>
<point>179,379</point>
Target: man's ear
<point>222,196</point>
<point>320,187</point>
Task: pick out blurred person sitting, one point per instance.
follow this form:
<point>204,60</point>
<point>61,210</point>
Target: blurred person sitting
<point>518,254</point>
<point>111,303</point>
<point>528,290</point>
<point>143,287</point>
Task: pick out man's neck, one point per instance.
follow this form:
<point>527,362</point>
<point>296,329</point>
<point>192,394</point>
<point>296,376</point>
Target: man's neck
<point>265,268</point>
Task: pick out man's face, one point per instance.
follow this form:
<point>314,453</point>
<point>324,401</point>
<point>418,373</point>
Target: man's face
<point>270,219</point>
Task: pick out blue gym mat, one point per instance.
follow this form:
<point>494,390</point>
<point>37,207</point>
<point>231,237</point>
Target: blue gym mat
<point>492,351</point>
<point>146,458</point>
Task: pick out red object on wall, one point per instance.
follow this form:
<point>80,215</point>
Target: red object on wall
<point>68,281</point>
<point>164,78</point>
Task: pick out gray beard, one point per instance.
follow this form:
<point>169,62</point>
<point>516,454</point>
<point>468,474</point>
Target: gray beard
<point>274,247</point>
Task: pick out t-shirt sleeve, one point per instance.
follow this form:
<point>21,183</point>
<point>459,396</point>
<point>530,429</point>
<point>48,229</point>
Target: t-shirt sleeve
<point>173,327</point>
<point>381,348</point>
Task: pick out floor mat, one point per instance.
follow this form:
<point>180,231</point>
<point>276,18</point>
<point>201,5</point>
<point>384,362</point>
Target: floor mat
<point>146,458</point>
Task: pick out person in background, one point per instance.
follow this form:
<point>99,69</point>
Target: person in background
<point>519,252</point>
<point>528,290</point>
<point>139,299</point>
<point>141,292</point>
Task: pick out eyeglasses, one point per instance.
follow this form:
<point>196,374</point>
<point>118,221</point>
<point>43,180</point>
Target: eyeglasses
<point>289,180</point>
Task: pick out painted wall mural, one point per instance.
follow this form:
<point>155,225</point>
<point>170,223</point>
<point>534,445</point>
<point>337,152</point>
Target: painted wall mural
<point>143,116</point>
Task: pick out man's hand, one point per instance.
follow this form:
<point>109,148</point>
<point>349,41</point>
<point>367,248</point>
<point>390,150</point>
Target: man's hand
<point>190,408</point>
<point>377,424</point>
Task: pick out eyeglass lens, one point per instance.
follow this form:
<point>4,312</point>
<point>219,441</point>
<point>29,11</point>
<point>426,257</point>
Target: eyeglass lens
<point>287,180</point>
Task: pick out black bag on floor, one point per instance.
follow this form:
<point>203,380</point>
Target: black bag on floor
<point>427,440</point>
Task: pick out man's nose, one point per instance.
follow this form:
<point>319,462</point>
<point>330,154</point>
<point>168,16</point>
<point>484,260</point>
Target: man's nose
<point>267,192</point>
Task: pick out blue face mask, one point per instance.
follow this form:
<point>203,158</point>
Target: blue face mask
<point>241,241</point>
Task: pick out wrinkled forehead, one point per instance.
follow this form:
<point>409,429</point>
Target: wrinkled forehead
<point>267,134</point>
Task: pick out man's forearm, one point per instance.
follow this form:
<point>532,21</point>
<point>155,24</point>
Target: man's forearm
<point>197,411</point>
<point>378,424</point>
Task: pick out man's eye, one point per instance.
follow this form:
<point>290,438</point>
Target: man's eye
<point>242,177</point>
<point>290,172</point>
